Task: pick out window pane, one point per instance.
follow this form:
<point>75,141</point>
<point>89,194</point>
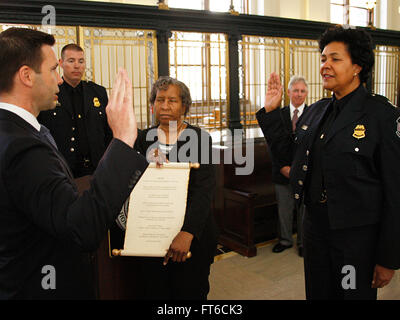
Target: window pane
<point>358,17</point>
<point>184,4</point>
<point>199,60</point>
<point>358,3</point>
<point>337,14</point>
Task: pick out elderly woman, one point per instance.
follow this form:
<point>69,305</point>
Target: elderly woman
<point>176,276</point>
<point>346,170</point>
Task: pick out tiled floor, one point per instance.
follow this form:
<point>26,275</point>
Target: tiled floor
<point>269,276</point>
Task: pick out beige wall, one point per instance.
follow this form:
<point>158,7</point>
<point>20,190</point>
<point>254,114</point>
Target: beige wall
<point>271,8</point>
<point>393,17</point>
<point>292,9</point>
<point>316,10</point>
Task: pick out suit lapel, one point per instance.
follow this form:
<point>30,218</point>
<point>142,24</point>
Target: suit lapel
<point>64,165</point>
<point>285,114</point>
<point>351,112</point>
<point>33,132</point>
<point>315,122</point>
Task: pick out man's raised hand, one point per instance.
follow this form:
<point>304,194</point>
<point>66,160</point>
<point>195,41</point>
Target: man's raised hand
<point>120,113</point>
<point>273,97</point>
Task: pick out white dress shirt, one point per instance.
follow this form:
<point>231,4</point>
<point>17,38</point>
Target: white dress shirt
<point>22,113</point>
<point>292,108</point>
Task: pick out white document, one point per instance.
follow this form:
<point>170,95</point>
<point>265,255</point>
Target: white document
<point>157,209</point>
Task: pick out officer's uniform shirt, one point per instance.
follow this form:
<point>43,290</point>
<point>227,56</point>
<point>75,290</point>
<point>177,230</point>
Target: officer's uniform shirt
<point>81,164</point>
<point>357,161</point>
<point>315,191</point>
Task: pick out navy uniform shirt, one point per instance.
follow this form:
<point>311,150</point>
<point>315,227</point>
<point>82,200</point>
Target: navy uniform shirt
<point>315,190</point>
<point>79,125</point>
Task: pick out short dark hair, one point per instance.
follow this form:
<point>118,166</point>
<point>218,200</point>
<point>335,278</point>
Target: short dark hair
<point>19,47</point>
<point>358,43</point>
<point>163,83</point>
<point>70,46</point>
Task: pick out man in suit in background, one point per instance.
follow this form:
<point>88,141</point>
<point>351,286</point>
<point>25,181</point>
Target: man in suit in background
<point>281,162</point>
<point>79,123</point>
<point>45,225</point>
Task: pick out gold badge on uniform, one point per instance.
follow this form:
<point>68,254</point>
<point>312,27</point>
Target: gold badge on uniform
<point>359,132</point>
<point>96,102</point>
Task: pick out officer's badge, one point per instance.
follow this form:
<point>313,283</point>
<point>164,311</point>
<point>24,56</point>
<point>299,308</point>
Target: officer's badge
<point>96,102</point>
<point>359,132</point>
<point>398,127</point>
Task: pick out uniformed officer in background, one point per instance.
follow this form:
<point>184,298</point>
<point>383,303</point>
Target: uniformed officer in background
<point>346,170</point>
<point>79,123</point>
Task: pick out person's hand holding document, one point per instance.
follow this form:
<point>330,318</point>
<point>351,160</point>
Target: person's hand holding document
<point>179,248</point>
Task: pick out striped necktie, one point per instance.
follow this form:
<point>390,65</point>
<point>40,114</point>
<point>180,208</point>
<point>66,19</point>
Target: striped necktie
<point>295,118</point>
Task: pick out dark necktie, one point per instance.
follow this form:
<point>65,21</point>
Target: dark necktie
<point>47,136</point>
<point>295,118</point>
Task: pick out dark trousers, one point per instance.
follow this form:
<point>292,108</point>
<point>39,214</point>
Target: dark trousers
<point>338,264</point>
<point>177,280</point>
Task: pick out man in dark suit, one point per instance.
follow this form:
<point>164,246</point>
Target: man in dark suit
<point>79,122</point>
<point>281,162</point>
<point>45,224</point>
<point>79,125</point>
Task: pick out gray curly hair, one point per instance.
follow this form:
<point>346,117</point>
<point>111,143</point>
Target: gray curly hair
<point>163,83</point>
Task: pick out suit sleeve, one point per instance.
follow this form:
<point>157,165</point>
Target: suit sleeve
<point>271,125</point>
<point>201,191</point>
<point>278,139</point>
<point>41,192</point>
<point>388,254</point>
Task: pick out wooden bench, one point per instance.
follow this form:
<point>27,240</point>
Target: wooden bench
<point>245,205</point>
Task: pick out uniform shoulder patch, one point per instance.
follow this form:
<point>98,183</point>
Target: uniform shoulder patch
<point>382,99</point>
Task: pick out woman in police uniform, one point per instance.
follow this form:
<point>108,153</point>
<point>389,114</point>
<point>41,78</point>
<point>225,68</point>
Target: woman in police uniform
<point>346,171</point>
